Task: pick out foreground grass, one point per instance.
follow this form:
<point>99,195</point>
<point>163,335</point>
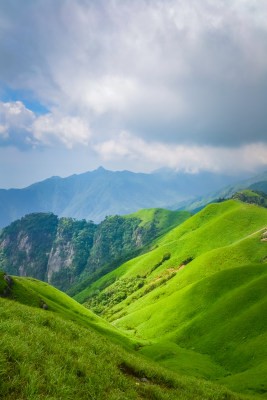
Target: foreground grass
<point>43,356</point>
<point>35,293</point>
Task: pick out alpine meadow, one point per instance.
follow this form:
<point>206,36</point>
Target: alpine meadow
<point>133,200</point>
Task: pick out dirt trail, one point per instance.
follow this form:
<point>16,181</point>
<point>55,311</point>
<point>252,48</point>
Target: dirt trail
<point>170,270</point>
<point>254,233</point>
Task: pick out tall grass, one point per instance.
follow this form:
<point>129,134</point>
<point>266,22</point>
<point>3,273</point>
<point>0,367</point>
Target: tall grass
<point>45,357</point>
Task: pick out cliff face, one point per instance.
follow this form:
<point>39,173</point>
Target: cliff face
<point>25,245</point>
<point>63,251</point>
<point>61,256</point>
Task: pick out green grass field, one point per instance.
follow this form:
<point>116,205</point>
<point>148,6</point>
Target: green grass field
<point>203,308</point>
<point>162,218</point>
<point>190,311</point>
<point>65,352</point>
<point>252,196</point>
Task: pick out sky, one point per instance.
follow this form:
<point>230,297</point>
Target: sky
<point>132,84</point>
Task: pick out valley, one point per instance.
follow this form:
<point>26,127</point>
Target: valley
<point>184,317</point>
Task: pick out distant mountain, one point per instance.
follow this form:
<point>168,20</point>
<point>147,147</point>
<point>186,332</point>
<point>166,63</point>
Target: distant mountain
<point>62,251</point>
<point>94,195</point>
<point>261,186</point>
<point>258,182</point>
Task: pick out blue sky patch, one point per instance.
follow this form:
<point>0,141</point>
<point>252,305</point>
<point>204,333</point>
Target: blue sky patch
<point>27,97</point>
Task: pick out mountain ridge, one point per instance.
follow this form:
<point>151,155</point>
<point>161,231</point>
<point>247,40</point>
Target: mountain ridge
<point>258,182</point>
<point>96,194</point>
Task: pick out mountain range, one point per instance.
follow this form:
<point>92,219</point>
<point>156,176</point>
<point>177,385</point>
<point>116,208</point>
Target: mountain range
<point>100,193</point>
<point>257,182</point>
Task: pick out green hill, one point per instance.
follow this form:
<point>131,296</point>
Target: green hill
<point>198,296</point>
<point>65,251</point>
<point>53,348</point>
<point>252,197</point>
<point>37,294</point>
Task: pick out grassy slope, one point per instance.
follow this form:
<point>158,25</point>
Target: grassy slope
<point>151,223</point>
<point>217,226</point>
<point>208,320</point>
<point>252,196</point>
<point>33,293</point>
<point>163,219</point>
<point>59,354</point>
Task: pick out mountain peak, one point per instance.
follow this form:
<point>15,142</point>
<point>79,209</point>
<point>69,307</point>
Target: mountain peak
<point>100,169</point>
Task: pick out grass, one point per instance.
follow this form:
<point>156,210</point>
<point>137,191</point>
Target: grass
<point>44,356</point>
<point>252,196</point>
<point>199,314</point>
<point>3,283</point>
<point>162,218</point>
<point>34,293</point>
<point>206,317</point>
<point>182,360</point>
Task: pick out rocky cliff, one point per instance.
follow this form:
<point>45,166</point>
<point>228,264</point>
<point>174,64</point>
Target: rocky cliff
<point>62,251</point>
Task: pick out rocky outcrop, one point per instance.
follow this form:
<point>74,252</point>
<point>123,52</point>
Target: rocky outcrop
<point>62,251</point>
<point>9,280</point>
<point>44,306</point>
<point>61,256</point>
<point>23,243</point>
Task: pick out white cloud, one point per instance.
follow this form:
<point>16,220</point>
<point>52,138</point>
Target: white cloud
<point>4,131</point>
<point>185,158</point>
<point>68,130</point>
<point>19,126</point>
<point>108,94</point>
<point>15,121</point>
<point>15,113</point>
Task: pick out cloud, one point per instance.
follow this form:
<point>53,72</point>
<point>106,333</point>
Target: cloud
<point>15,122</point>
<point>170,71</point>
<point>68,130</point>
<point>4,131</point>
<point>190,159</point>
<point>20,127</point>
